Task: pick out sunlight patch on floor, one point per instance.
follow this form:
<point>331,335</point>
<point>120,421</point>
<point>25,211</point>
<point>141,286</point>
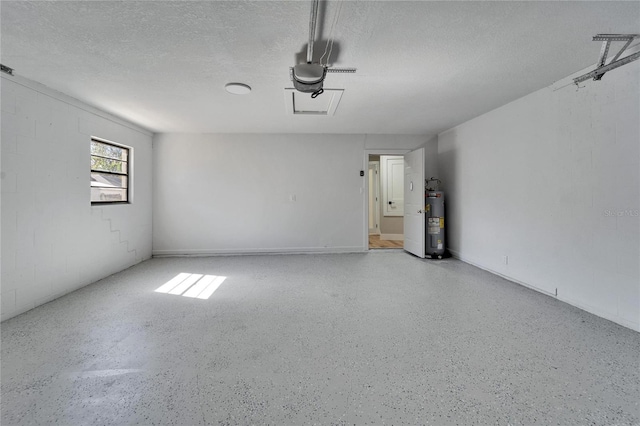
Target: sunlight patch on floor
<point>197,286</point>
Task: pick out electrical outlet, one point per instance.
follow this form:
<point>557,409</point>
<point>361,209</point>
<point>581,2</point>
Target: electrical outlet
<point>505,260</point>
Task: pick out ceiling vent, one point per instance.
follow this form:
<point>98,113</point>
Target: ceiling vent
<point>299,103</point>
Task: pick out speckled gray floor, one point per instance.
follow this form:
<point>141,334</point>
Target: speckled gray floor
<point>377,338</point>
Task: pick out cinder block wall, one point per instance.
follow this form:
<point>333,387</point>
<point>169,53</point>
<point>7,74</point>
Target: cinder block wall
<point>53,240</point>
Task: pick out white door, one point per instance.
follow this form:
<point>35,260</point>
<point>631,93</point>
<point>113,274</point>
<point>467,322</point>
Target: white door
<point>391,177</point>
<point>414,238</point>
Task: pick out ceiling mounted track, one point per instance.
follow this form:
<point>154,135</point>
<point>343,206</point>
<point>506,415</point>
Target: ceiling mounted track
<point>606,40</point>
<point>5,69</point>
<point>309,77</point>
<point>342,70</point>
<point>312,30</point>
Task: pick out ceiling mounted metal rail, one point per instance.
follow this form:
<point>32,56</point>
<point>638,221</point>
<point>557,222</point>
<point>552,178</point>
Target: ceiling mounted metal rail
<point>6,69</point>
<point>342,70</point>
<point>312,30</point>
<point>601,69</point>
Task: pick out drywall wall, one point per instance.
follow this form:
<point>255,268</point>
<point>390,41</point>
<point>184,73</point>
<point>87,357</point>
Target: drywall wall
<point>391,225</point>
<point>53,240</point>
<point>257,193</point>
<point>551,181</point>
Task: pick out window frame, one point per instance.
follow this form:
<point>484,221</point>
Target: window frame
<point>126,174</point>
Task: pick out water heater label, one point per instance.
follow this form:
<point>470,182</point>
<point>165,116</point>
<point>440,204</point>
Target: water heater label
<point>433,225</point>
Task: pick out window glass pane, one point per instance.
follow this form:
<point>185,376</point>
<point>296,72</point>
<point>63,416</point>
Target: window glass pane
<point>109,173</point>
<point>105,180</point>
<point>110,151</point>
<point>108,165</point>
<point>110,195</point>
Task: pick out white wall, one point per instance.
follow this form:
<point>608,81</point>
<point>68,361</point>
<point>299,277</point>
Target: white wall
<point>232,193</point>
<point>551,181</point>
<point>431,158</point>
<point>53,240</point>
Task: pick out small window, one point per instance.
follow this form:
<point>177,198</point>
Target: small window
<point>109,173</point>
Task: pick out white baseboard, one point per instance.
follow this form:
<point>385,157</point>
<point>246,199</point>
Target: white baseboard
<point>394,237</point>
<point>591,309</point>
<point>501,275</point>
<point>256,251</point>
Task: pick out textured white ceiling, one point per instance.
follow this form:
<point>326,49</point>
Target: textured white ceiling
<point>423,66</point>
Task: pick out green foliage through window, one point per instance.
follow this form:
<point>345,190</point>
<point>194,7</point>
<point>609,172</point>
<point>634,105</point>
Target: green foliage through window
<point>109,173</point>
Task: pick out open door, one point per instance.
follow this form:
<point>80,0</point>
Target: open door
<point>414,238</point>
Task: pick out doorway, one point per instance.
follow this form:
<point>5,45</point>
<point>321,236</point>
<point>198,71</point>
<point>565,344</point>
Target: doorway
<point>385,220</point>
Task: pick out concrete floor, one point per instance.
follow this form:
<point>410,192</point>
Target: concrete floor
<point>376,338</point>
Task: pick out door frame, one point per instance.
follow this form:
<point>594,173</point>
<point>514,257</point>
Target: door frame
<point>375,165</point>
<point>365,199</point>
